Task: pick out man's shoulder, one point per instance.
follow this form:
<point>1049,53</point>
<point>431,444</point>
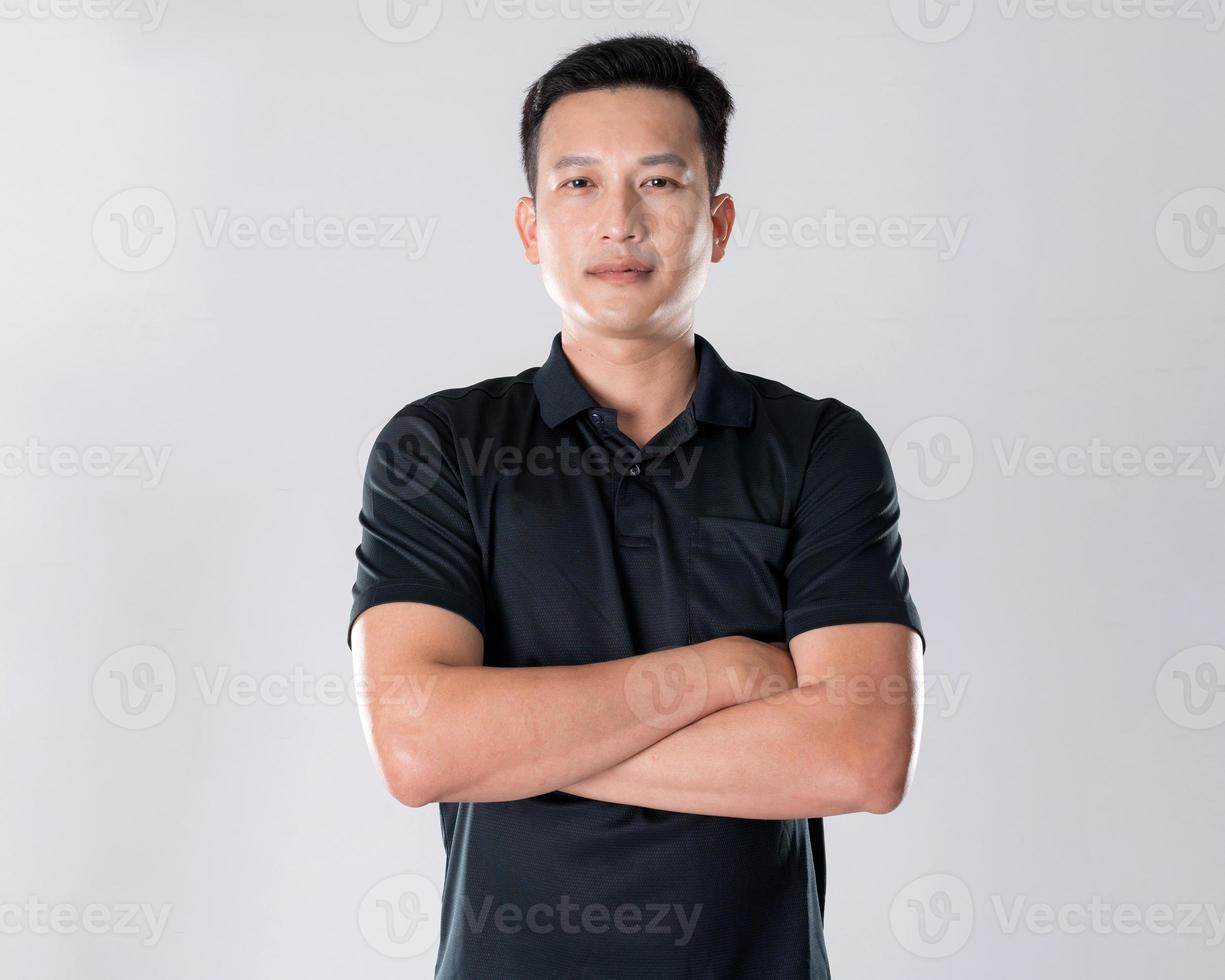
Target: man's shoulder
<point>784,403</point>
<point>824,429</point>
<point>465,404</point>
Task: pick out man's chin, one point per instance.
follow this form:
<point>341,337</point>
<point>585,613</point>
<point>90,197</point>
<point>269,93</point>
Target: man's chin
<point>622,324</point>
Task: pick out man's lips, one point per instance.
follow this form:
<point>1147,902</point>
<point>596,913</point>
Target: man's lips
<point>625,264</point>
<point>622,275</point>
<point>620,270</point>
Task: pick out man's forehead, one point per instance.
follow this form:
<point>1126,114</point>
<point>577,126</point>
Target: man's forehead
<point>671,121</point>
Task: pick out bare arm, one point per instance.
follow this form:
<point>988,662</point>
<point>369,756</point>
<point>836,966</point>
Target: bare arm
<point>845,740</point>
<point>443,727</point>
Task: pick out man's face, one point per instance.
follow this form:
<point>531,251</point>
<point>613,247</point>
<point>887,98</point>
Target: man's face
<point>621,185</point>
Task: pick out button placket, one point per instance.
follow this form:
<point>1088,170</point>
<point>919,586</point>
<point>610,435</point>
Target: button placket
<point>634,502</point>
<point>634,506</point>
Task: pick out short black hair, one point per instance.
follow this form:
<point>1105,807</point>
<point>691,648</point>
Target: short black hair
<point>649,60</point>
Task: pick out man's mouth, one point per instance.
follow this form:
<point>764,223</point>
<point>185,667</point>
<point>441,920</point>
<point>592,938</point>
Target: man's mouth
<point>625,271</point>
<point>623,275</point>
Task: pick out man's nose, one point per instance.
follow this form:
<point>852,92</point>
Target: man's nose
<point>622,217</point>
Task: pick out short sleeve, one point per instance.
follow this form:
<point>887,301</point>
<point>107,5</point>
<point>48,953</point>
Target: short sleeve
<point>845,564</point>
<point>418,543</point>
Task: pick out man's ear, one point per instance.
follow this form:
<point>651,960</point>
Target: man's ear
<point>525,223</point>
<point>722,218</point>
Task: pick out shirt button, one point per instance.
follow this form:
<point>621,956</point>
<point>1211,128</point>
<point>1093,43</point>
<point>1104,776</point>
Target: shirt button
<point>634,470</point>
<point>597,418</point>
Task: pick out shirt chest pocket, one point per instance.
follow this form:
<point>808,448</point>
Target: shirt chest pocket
<point>736,581</point>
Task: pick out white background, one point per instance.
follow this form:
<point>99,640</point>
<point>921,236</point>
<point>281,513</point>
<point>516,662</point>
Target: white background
<point>1080,752</point>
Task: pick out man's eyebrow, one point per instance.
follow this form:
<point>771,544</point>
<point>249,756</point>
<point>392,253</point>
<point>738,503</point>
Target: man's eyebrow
<point>654,160</point>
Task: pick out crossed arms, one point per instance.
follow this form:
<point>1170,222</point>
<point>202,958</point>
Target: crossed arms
<point>732,727</point>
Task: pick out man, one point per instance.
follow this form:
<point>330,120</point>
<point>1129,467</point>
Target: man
<point>654,608</point>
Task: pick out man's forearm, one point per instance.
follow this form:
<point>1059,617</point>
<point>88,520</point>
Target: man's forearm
<point>482,734</point>
<point>796,754</point>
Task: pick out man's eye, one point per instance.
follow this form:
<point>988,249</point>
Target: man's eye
<point>571,181</point>
<point>666,180</point>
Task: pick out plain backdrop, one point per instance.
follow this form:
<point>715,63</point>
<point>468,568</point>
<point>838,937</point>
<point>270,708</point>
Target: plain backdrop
<point>996,229</point>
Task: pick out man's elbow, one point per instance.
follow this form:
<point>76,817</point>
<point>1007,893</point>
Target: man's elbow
<point>883,785</point>
<point>884,796</point>
<point>406,771</point>
<point>412,788</point>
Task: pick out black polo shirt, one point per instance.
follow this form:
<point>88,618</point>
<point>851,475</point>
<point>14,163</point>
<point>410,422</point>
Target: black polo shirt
<point>518,504</point>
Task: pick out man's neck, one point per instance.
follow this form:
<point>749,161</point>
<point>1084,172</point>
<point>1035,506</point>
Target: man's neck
<point>648,380</point>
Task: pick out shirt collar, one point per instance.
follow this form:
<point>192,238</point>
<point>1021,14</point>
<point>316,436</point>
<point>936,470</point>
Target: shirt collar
<point>721,397</point>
